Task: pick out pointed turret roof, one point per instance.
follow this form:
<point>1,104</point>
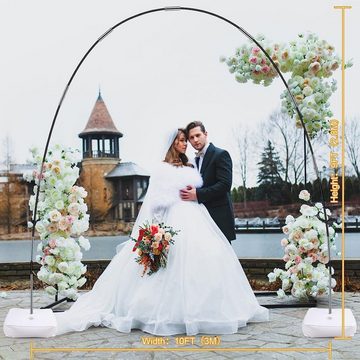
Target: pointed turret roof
<point>100,121</point>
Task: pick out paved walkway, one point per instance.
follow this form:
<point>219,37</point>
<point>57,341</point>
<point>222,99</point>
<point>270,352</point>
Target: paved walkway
<point>283,331</point>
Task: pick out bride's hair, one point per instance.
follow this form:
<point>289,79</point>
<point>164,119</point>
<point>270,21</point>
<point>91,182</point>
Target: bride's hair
<point>173,157</point>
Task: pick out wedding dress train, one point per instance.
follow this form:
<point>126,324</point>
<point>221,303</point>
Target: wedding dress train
<point>203,289</point>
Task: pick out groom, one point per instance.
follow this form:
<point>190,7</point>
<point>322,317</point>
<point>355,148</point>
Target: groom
<point>215,167</point>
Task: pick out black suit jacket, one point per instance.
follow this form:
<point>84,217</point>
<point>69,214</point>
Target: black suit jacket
<point>216,171</point>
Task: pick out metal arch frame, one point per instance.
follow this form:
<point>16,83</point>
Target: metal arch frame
<point>102,37</point>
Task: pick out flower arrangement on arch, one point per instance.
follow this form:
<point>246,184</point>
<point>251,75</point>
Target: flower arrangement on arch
<point>153,245</point>
<point>61,219</point>
<point>306,252</point>
<point>310,61</point>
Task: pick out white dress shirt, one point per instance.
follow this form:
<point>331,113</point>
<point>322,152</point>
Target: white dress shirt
<point>201,155</point>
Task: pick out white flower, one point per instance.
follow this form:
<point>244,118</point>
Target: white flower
<point>83,269</point>
<point>62,285</point>
<point>81,282</point>
<point>50,260</point>
<point>302,222</point>
<point>63,266</point>
<point>40,227</point>
<point>289,219</point>
<point>285,284</point>
<point>72,280</point>
<point>50,290</point>
<point>61,242</point>
<point>281,293</point>
<point>54,216</point>
<point>304,195</point>
<point>277,272</point>
<point>272,277</point>
<point>84,243</point>
<point>73,209</point>
<point>308,210</point>
<point>59,205</point>
<point>158,236</point>
<point>70,293</point>
<point>291,249</point>
<point>311,234</point>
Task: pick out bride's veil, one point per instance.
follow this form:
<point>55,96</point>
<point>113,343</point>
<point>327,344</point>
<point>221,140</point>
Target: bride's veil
<point>146,211</point>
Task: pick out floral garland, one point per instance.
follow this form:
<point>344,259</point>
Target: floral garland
<point>62,218</point>
<point>309,60</point>
<point>306,246</point>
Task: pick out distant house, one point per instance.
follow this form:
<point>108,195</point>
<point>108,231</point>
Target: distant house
<point>115,189</point>
<point>14,198</point>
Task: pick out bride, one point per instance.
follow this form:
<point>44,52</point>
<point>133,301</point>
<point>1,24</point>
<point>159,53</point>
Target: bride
<point>203,288</point>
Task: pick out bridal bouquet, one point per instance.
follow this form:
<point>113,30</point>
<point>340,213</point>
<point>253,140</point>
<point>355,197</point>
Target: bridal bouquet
<point>152,246</point>
<point>62,218</point>
<point>306,252</point>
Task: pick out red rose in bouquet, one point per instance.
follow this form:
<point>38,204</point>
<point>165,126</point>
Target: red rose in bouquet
<point>152,246</point>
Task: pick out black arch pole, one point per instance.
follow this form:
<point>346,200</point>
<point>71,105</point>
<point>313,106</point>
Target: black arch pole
<point>102,37</point>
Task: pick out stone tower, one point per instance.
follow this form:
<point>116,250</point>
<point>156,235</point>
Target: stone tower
<point>100,146</point>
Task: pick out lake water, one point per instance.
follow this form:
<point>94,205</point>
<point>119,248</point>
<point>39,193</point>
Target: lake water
<point>245,246</point>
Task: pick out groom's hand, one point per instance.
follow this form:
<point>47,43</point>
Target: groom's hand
<point>188,194</point>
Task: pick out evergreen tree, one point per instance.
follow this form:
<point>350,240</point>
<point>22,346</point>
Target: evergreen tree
<point>271,168</point>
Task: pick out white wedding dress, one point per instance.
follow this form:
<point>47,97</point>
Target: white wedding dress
<point>203,289</point>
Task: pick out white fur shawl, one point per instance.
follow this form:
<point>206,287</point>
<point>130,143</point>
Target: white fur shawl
<point>167,181</point>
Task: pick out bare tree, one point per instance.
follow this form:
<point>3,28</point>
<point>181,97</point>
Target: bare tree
<point>241,135</point>
<point>352,143</point>
<point>288,140</point>
<point>8,153</point>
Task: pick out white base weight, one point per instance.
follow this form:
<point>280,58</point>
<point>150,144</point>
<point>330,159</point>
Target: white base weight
<point>319,323</point>
<point>19,323</point>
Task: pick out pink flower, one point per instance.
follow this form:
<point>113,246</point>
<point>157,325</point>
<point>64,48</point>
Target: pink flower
<point>314,257</point>
<point>315,67</point>
<point>253,60</point>
<point>255,50</point>
<point>52,227</point>
<point>52,243</point>
<point>293,269</point>
<point>63,224</point>
<point>315,241</point>
<point>297,259</point>
<point>70,219</point>
<point>302,249</point>
<point>286,258</point>
<point>323,259</point>
<point>284,242</point>
<point>285,229</point>
<point>265,69</point>
<point>297,235</point>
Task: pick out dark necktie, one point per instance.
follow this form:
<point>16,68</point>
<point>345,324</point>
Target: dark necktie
<point>197,160</point>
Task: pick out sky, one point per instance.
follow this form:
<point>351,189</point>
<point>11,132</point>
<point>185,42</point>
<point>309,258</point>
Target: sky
<point>156,72</point>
